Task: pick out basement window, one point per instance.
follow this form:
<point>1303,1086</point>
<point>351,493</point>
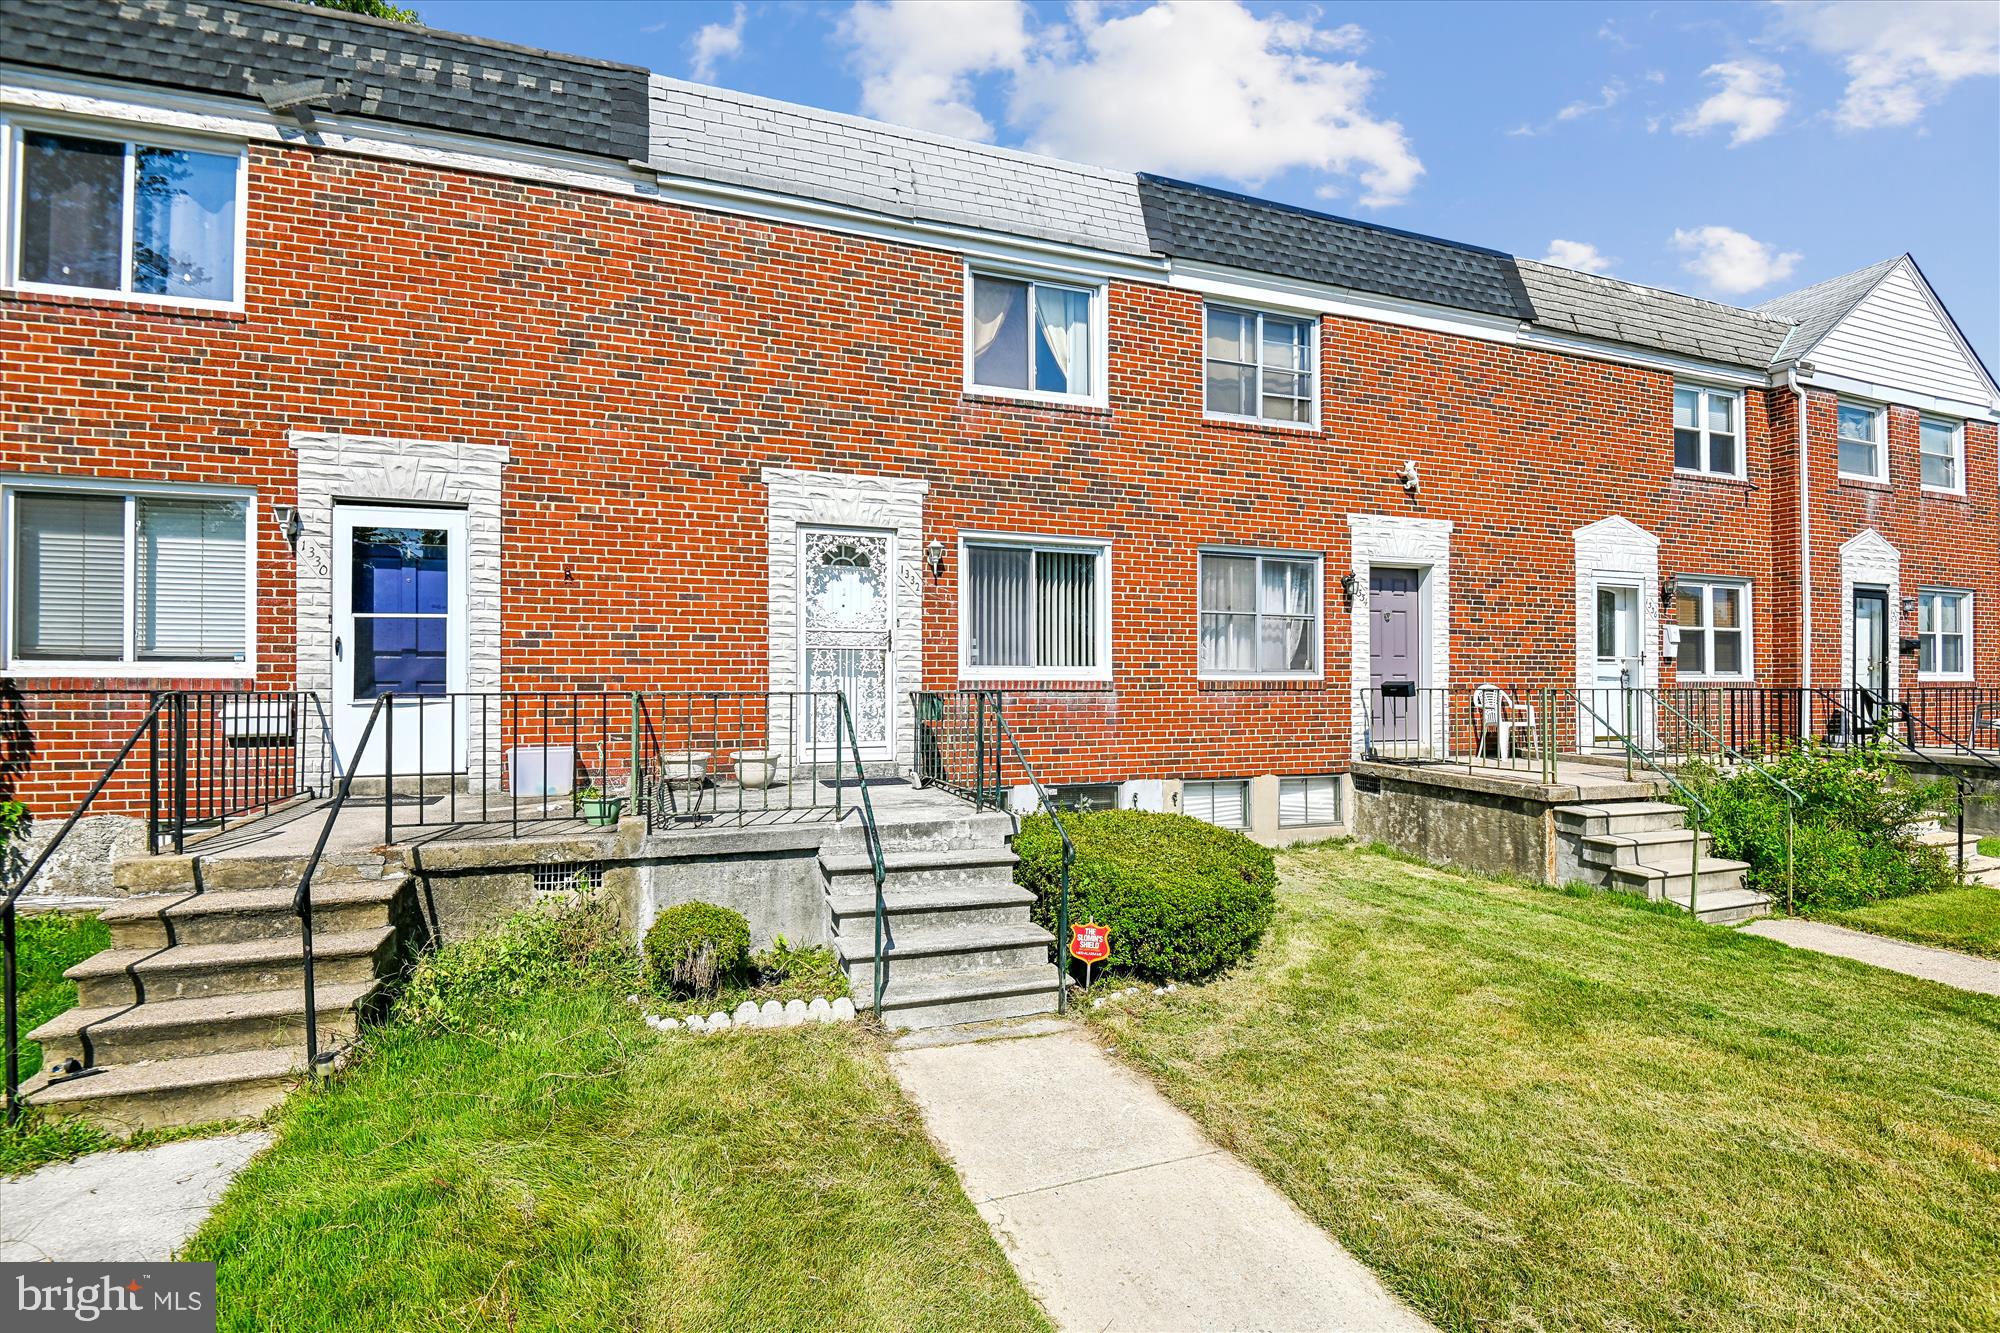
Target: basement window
<point>1226,804</point>
<point>1308,802</point>
<point>139,219</point>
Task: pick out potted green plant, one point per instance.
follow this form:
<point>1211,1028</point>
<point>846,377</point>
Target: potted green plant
<point>599,809</point>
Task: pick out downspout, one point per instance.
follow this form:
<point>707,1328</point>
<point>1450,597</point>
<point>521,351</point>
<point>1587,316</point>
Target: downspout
<point>1805,541</point>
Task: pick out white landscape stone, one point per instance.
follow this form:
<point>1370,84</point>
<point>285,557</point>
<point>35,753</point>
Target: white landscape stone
<point>819,1011</point>
<point>670,1025</point>
<point>795,1013</point>
<point>843,1010</point>
<point>746,1013</point>
<point>694,1023</point>
<point>771,1015</point>
<point>718,1021</point>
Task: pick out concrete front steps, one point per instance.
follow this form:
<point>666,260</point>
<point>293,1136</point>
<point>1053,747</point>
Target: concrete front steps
<point>958,945</point>
<point>196,1011</point>
<point>1979,869</point>
<point>1646,848</point>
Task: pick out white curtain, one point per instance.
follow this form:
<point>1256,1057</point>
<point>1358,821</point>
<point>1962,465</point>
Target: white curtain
<point>1228,613</point>
<point>1063,319</point>
<point>69,577</point>
<point>1289,616</point>
<point>192,592</point>
<point>1000,307</point>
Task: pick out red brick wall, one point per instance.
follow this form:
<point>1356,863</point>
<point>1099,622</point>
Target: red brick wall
<point>642,363</point>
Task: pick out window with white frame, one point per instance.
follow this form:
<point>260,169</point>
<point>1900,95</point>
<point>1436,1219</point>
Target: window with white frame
<point>1223,803</point>
<point>1944,633</point>
<point>1858,432</point>
<point>1303,802</point>
<point>1259,614</point>
<point>1942,445</point>
<point>1714,619</point>
<point>1259,367</point>
<point>125,217</point>
<point>1032,337</point>
<point>101,578</point>
<point>1708,431</point>
<point>1036,609</point>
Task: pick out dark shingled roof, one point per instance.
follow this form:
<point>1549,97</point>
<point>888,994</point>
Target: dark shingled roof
<point>1217,227</point>
<point>396,72</point>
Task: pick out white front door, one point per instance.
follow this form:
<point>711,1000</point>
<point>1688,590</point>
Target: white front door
<point>1616,665</point>
<point>399,627</point>
<point>847,597</point>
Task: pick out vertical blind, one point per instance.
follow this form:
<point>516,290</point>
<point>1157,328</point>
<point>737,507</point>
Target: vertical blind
<point>1222,803</point>
<point>1032,608</point>
<point>69,577</point>
<point>191,587</point>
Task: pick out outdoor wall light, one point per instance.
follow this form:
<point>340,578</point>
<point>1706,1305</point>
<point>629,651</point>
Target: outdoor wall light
<point>290,525</point>
<point>934,557</point>
<point>1669,586</point>
<point>1909,605</point>
<point>1350,589</point>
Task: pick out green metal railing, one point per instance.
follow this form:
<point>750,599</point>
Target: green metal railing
<point>847,743</point>
<point>1793,801</point>
<point>1635,755</point>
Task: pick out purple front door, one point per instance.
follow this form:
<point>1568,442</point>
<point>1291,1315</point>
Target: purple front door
<point>1395,654</point>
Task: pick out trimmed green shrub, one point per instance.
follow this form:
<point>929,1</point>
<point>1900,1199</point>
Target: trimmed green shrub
<point>1854,841</point>
<point>1184,899</point>
<point>461,986</point>
<point>693,948</point>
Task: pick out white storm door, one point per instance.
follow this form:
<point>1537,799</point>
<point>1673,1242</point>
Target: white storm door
<point>399,626</point>
<point>1615,668</point>
<point>847,595</point>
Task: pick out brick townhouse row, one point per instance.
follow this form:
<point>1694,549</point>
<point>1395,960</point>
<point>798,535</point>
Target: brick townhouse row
<point>352,357</point>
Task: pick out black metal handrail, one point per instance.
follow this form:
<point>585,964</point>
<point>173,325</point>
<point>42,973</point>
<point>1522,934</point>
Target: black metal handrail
<point>1007,734</point>
<point>846,741</point>
<point>1697,808</point>
<point>302,896</point>
<point>11,1001</point>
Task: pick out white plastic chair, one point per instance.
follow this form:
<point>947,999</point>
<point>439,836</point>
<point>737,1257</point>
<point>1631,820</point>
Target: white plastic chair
<point>1497,717</point>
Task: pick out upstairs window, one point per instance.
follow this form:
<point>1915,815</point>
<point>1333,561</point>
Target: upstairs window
<point>124,218</point>
<point>1035,611</point>
<point>1714,617</point>
<point>1944,634</point>
<point>1033,338</point>
<point>1942,444</point>
<point>1708,431</point>
<point>1259,615</point>
<point>1862,453</point>
<point>101,579</point>
<point>1259,367</point>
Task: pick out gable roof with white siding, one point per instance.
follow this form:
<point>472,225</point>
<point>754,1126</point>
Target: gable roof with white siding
<point>1882,329</point>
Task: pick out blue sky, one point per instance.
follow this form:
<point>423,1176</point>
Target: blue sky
<point>1733,151</point>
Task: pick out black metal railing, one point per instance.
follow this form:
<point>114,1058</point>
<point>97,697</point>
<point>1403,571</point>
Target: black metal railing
<point>1725,752</point>
<point>230,754</point>
<point>742,756</point>
<point>1477,726</point>
<point>1698,812</point>
<point>1969,714</point>
<point>847,745</point>
<point>148,726</point>
<point>963,741</point>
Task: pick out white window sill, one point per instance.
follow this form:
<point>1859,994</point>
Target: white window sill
<point>1702,474</point>
<point>1254,677</point>
<point>1937,678</point>
<point>1862,478</point>
<point>1092,675</point>
<point>1030,396</point>
<point>129,671</point>
<point>164,300</point>
<point>1948,492</point>
<point>1265,423</point>
<point>1688,678</point>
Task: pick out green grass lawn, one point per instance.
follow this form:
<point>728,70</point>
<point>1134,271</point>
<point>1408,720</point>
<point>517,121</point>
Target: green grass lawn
<point>565,1168</point>
<point>1532,1110</point>
<point>47,944</point>
<point>1964,919</point>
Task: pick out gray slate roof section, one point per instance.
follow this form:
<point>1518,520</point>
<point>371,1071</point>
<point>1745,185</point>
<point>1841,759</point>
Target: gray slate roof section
<point>1593,306</point>
<point>397,73</point>
<point>1217,227</point>
<point>1816,309</point>
<point>731,138</point>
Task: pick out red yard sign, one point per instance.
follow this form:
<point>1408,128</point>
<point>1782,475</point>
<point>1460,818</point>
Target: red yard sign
<point>1090,944</point>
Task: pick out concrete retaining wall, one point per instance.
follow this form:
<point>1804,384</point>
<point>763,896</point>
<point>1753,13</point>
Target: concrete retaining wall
<point>1456,824</point>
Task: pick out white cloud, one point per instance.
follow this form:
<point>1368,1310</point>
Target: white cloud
<point>917,60</point>
<point>1899,58</point>
<point>713,43</point>
<point>1579,255</point>
<point>1208,90</point>
<point>1607,97</point>
<point>1731,263</point>
<point>1749,100</point>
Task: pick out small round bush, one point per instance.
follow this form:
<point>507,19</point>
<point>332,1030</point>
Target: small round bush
<point>1184,899</point>
<point>692,948</point>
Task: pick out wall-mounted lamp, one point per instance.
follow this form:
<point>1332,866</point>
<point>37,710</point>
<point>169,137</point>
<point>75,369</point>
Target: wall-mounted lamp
<point>934,557</point>
<point>1670,586</point>
<point>1909,605</point>
<point>290,525</point>
<point>1350,589</point>
<point>1408,476</point>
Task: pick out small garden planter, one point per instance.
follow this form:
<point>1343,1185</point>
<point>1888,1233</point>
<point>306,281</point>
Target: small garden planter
<point>759,768</point>
<point>684,767</point>
<point>600,810</point>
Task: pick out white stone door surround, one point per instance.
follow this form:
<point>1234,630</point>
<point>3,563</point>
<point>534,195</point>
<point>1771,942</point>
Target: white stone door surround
<point>1867,560</point>
<point>1616,550</point>
<point>1422,544</point>
<point>804,499</point>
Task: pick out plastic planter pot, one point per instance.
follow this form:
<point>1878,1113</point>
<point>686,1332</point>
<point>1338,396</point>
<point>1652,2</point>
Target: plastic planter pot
<point>601,811</point>
<point>684,766</point>
<point>759,768</point>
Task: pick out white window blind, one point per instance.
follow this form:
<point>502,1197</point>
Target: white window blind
<point>1222,803</point>
<point>1032,608</point>
<point>69,577</point>
<point>191,587</point>
<point>1304,801</point>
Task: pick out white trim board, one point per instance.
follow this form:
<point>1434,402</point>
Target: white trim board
<point>1402,542</point>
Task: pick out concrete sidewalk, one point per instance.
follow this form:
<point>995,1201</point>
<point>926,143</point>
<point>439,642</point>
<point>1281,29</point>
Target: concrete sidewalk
<point>1963,970</point>
<point>1113,1207</point>
<point>139,1206</point>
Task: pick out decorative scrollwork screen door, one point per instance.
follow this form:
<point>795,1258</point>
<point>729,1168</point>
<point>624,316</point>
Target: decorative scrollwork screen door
<point>847,590</point>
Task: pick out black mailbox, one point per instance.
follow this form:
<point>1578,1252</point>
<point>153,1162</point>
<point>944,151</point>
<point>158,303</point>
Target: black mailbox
<point>1399,689</point>
<point>1909,645</point>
